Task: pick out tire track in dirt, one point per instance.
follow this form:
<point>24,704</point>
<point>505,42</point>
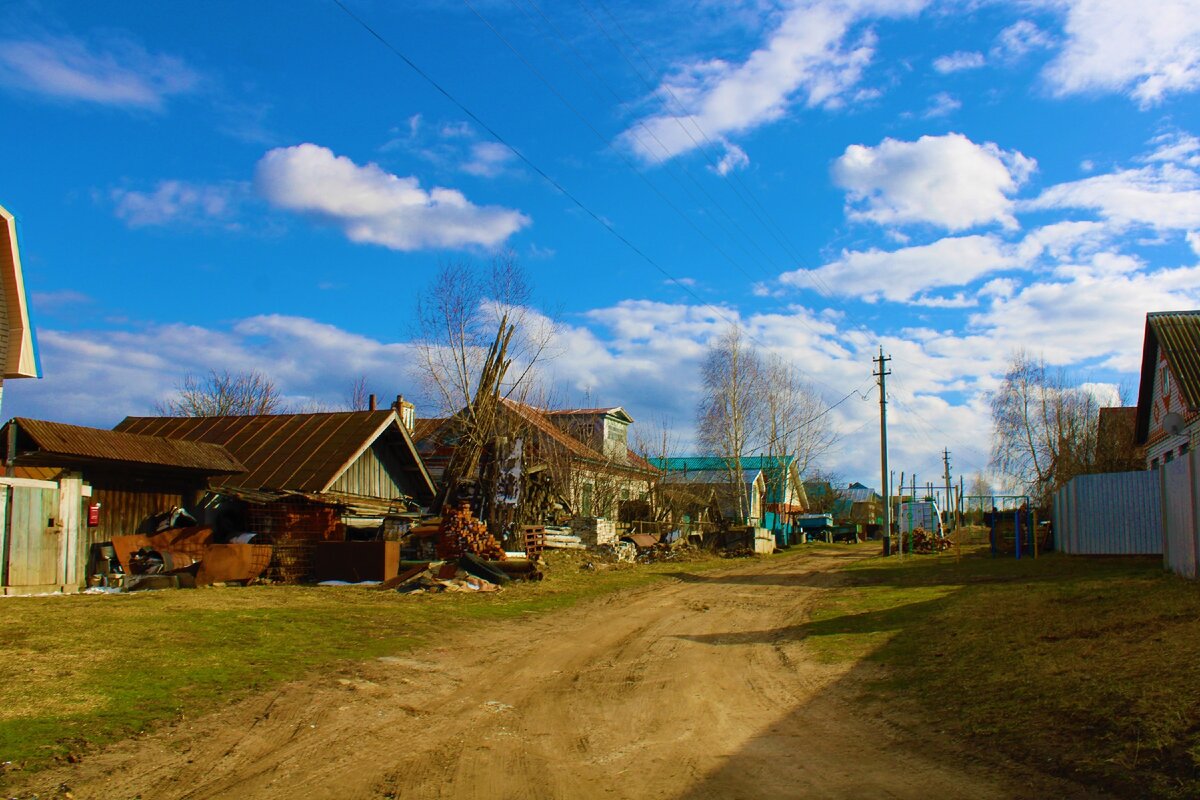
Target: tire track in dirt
<point>692,689</point>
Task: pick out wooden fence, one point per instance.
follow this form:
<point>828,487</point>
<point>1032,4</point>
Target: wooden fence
<point>43,535</point>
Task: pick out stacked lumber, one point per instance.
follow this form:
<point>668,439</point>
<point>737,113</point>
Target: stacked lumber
<point>562,539</point>
<point>461,533</point>
<point>594,531</point>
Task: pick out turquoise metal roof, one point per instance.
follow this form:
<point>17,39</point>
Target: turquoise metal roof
<point>774,469</point>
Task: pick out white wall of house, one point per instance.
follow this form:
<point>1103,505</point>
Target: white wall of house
<point>1162,447</point>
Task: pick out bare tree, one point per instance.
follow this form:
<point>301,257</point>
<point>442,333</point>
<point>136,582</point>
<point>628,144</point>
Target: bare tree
<point>731,418</point>
<point>458,320</point>
<point>1044,428</point>
<point>357,399</point>
<point>796,425</point>
<point>222,393</point>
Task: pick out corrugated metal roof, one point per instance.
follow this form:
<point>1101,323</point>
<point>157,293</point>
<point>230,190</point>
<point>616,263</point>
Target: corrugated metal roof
<point>425,427</point>
<point>41,441</point>
<point>719,463</point>
<point>616,411</point>
<point>294,452</point>
<point>1178,335</point>
<point>713,477</point>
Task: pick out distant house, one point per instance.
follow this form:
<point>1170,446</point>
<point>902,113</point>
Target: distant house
<point>18,354</point>
<point>1168,408</point>
<point>574,462</point>
<point>860,504</point>
<point>776,492</point>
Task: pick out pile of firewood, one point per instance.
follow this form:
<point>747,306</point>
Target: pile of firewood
<point>922,542</point>
<point>461,533</point>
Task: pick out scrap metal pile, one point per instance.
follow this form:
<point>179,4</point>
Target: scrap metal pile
<point>176,558</point>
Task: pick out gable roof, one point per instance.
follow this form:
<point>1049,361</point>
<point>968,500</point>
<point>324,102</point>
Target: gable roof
<point>56,443</point>
<point>16,332</point>
<point>1176,334</point>
<point>540,421</point>
<point>295,452</point>
<point>614,411</point>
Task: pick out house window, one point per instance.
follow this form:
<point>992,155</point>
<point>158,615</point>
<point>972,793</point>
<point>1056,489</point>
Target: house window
<point>1168,456</point>
<point>1183,448</point>
<point>1165,379</point>
<point>1154,463</point>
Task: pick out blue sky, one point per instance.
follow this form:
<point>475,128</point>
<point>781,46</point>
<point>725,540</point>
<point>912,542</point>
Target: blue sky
<point>269,188</point>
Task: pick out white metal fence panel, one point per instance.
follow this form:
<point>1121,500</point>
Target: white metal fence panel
<point>1118,513</point>
<point>1180,493</point>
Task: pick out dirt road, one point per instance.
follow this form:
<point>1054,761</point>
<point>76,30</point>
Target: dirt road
<point>697,688</point>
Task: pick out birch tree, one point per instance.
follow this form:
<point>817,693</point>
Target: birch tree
<point>1044,429</point>
<point>731,418</point>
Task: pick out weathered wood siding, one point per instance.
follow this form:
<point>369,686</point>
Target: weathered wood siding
<point>376,473</point>
<point>122,511</point>
<point>33,543</point>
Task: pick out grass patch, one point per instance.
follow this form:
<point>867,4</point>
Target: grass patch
<point>1087,667</point>
<point>82,670</point>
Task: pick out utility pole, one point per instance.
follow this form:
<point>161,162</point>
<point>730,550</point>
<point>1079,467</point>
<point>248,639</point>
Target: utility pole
<point>882,374</point>
<point>949,500</point>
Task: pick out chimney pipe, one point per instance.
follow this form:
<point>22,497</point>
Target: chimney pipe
<point>371,402</point>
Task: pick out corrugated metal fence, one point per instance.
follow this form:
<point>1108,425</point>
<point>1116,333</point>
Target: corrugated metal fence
<point>1134,513</point>
<point>1180,492</point>
<point>1112,514</point>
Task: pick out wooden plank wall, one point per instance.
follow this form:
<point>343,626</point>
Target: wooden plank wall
<point>376,473</point>
<point>122,511</point>
<point>33,545</point>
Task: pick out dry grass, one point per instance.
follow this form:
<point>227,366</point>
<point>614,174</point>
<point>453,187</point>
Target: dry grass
<point>1087,667</point>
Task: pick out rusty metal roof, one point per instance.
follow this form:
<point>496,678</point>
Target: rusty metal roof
<point>424,427</point>
<point>1176,334</point>
<point>539,419</point>
<point>42,442</point>
<point>293,452</point>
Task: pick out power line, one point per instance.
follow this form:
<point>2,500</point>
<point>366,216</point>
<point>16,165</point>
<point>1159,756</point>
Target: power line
<point>603,139</point>
<point>662,146</point>
<point>608,227</point>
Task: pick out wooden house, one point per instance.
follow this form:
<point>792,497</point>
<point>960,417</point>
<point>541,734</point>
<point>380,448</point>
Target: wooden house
<point>1168,408</point>
<point>18,355</point>
<point>573,463</point>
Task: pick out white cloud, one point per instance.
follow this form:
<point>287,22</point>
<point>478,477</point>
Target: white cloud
<point>810,58</point>
<point>488,159</point>
<point>1164,197</point>
<point>1193,240</point>
<point>941,104</point>
<point>374,206</point>
<point>947,181</point>
<point>174,201</point>
<point>1149,48</point>
<point>120,73</point>
<point>1176,148</point>
<point>1099,313</point>
<point>734,158</point>
<point>958,61</point>
<point>1020,39</point>
<point>900,275</point>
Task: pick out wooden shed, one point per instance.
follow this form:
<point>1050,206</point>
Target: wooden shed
<point>352,453</point>
<point>53,466</point>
